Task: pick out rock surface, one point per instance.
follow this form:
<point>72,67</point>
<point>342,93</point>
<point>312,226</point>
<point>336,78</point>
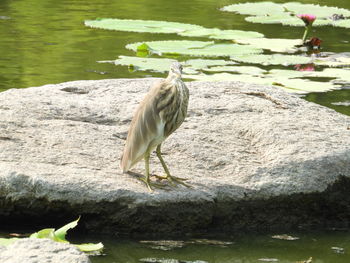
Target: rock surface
<point>41,251</point>
<point>256,157</point>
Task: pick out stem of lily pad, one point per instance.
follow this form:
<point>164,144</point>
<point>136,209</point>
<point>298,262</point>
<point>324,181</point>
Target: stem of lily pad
<point>306,32</point>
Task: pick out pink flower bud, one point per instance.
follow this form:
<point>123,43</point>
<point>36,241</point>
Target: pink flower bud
<point>307,18</point>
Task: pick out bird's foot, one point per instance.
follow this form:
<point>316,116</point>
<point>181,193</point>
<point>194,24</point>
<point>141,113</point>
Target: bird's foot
<point>150,185</point>
<point>173,180</point>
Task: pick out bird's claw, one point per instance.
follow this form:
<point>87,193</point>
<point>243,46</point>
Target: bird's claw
<point>173,180</point>
<point>150,185</point>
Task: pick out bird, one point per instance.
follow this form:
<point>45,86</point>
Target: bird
<point>159,114</point>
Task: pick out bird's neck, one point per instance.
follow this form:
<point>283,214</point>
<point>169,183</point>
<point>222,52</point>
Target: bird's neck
<point>173,78</point>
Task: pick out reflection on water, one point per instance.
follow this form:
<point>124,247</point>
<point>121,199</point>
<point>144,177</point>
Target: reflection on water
<point>44,43</point>
<point>330,247</point>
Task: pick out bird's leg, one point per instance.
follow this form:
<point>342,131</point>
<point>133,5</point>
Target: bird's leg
<point>147,180</point>
<point>168,176</point>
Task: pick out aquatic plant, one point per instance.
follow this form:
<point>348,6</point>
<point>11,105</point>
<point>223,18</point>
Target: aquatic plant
<point>308,20</point>
<point>58,235</point>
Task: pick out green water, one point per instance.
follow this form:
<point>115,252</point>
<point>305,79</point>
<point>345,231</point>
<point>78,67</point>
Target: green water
<point>244,249</point>
<point>46,42</point>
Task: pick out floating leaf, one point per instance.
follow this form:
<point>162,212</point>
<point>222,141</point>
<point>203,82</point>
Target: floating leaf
<point>338,74</point>
<point>276,19</point>
<point>291,85</point>
<point>285,13</point>
<point>285,20</point>
<point>304,86</point>
<point>182,29</point>
<point>274,59</point>
<point>336,60</point>
<point>239,69</point>
<point>131,25</point>
<point>216,33</point>
<point>317,10</point>
<point>228,77</point>
<point>204,63</point>
<point>89,247</point>
<point>273,44</point>
<point>261,8</point>
<point>152,64</point>
<point>197,48</point>
<point>342,23</point>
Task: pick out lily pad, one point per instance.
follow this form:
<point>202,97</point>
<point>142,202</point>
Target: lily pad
<point>152,64</point>
<point>317,10</point>
<point>286,20</point>
<point>273,44</point>
<point>342,23</point>
<point>261,8</point>
<point>197,48</point>
<point>151,26</point>
<point>238,69</point>
<point>204,63</point>
<point>216,33</point>
<point>285,13</point>
<point>340,75</point>
<point>300,86</point>
<point>334,61</point>
<point>131,25</point>
<point>274,59</point>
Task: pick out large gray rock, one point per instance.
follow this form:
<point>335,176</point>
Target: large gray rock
<point>30,250</point>
<point>255,156</point>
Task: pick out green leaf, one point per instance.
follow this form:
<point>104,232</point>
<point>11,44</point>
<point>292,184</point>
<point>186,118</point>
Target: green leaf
<point>7,241</point>
<point>151,64</point>
<point>238,69</point>
<point>285,20</point>
<point>89,247</point>
<point>60,233</point>
<point>182,29</point>
<point>285,13</point>
<point>317,10</point>
<point>44,233</point>
<point>339,75</point>
<point>274,59</point>
<point>197,48</point>
<point>261,8</point>
<point>333,61</point>
<point>274,44</point>
<point>291,85</point>
<point>149,26</point>
<point>216,33</point>
<point>342,23</point>
<point>204,63</point>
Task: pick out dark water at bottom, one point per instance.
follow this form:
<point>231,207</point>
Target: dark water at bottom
<point>328,246</point>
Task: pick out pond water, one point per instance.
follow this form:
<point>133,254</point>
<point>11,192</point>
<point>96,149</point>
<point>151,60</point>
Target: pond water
<point>47,42</point>
<point>330,247</point>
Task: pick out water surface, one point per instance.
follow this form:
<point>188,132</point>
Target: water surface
<point>330,247</point>
<point>45,42</point>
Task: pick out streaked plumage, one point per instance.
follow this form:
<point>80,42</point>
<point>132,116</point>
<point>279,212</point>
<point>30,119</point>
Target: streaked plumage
<point>160,113</point>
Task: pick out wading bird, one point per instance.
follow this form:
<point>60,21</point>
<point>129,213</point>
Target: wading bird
<point>160,113</point>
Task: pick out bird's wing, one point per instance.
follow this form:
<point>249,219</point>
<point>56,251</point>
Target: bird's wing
<point>147,127</point>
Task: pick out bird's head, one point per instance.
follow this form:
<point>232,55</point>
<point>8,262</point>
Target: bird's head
<point>176,69</point>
